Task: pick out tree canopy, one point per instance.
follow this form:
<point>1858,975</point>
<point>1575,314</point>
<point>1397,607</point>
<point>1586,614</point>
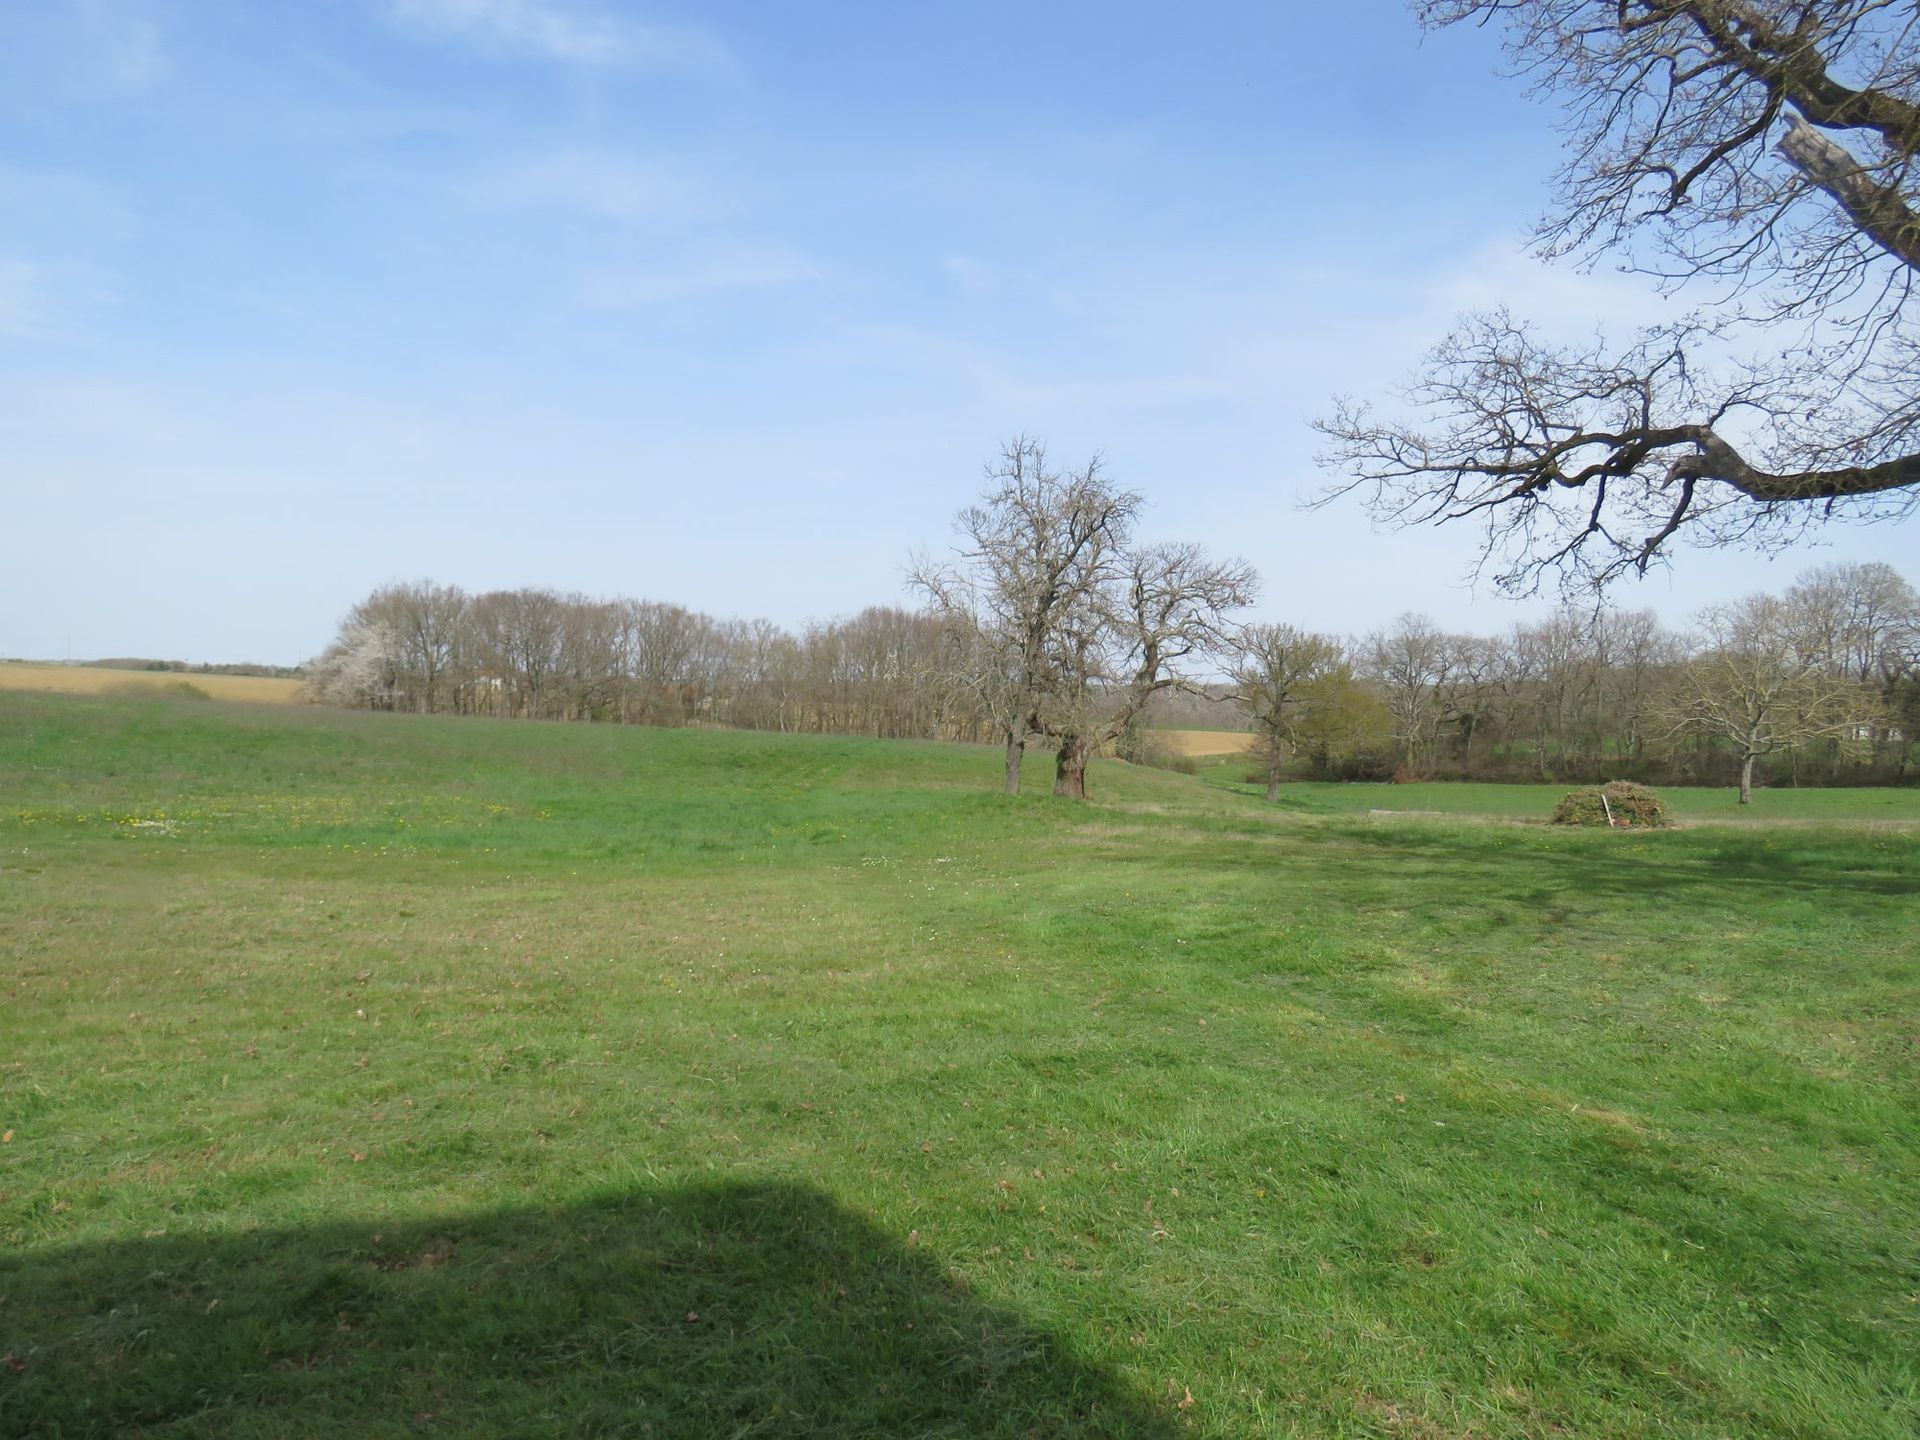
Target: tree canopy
<point>1759,154</point>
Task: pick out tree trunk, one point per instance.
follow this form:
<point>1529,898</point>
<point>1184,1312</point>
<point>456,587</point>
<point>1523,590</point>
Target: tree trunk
<point>1273,781</point>
<point>1746,779</point>
<point>1070,768</point>
<point>1016,750</point>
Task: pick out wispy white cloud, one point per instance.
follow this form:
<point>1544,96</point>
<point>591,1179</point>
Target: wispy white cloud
<point>600,183</point>
<point>60,230</point>
<point>61,211</point>
<point>569,34</point>
<point>125,39</point>
<point>21,297</point>
<point>974,278</point>
<point>712,270</point>
<point>38,299</point>
<point>669,232</point>
<point>1563,300</point>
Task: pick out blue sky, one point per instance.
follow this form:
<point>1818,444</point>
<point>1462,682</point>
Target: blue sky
<point>723,304</point>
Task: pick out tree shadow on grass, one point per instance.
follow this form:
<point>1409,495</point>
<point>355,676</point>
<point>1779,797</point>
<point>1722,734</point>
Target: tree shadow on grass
<point>749,1309</point>
<point>1714,863</point>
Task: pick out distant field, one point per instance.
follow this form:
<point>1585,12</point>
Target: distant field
<point>87,680</point>
<point>1206,742</point>
<point>392,1076</point>
<point>1695,804</point>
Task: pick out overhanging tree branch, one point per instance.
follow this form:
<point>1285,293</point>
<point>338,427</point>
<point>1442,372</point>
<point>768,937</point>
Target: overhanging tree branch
<point>1766,144</point>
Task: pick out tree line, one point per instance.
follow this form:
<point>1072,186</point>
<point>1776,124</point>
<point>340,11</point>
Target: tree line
<point>1819,685</point>
<point>541,655</point>
<point>1051,622</point>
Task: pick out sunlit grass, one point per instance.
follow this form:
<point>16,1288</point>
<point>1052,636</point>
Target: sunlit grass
<point>1688,803</point>
<point>379,1075</point>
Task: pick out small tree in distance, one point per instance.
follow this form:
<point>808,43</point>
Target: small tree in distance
<point>1282,674</point>
<point>1760,683</point>
<point>1034,551</point>
<point>1060,624</point>
<point>1153,623</point>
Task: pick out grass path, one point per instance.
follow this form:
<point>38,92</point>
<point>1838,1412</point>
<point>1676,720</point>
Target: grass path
<point>390,1076</point>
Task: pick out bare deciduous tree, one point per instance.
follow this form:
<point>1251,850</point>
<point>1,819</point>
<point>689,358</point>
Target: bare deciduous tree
<point>1865,619</point>
<point>1408,661</point>
<point>1156,615</point>
<point>1034,551</point>
<point>1279,679</point>
<point>1760,683</point>
<point>1768,146</point>
<point>421,624</point>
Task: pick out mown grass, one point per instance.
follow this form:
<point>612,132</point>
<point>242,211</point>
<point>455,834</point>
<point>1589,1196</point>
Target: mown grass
<point>1689,804</point>
<point>388,1076</point>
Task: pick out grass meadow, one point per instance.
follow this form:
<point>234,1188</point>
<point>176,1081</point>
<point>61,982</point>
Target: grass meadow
<point>392,1076</point>
<point>1689,805</point>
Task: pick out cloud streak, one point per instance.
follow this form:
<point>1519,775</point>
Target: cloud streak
<point>571,35</point>
<point>721,268</point>
<point>21,297</point>
<point>598,183</point>
<point>125,39</point>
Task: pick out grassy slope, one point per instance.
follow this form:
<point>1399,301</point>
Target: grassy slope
<point>389,1076</point>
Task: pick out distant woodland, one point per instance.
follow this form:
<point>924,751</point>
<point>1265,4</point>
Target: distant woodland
<point>182,667</point>
<point>1819,685</point>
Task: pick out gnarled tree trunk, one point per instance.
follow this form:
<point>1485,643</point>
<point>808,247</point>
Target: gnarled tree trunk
<point>1070,767</point>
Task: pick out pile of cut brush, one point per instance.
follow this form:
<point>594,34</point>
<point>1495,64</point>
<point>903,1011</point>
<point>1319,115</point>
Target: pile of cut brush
<point>1617,805</point>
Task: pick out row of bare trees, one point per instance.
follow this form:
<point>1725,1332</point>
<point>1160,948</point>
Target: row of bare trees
<point>1821,683</point>
<point>1051,621</point>
<point>536,654</point>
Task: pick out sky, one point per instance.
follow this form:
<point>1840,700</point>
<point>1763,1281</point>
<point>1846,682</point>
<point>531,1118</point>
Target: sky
<point>728,304</point>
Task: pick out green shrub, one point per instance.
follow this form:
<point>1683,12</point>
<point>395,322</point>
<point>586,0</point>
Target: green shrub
<point>1632,806</point>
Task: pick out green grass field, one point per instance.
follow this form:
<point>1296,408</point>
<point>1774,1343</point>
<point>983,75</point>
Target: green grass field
<point>1689,805</point>
<point>373,1075</point>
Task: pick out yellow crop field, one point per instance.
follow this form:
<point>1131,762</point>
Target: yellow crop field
<point>1207,742</point>
<point>86,680</point>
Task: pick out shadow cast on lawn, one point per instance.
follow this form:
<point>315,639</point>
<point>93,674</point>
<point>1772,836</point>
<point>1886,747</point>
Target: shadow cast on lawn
<point>1709,862</point>
<point>1874,872</point>
<point>734,1310</point>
